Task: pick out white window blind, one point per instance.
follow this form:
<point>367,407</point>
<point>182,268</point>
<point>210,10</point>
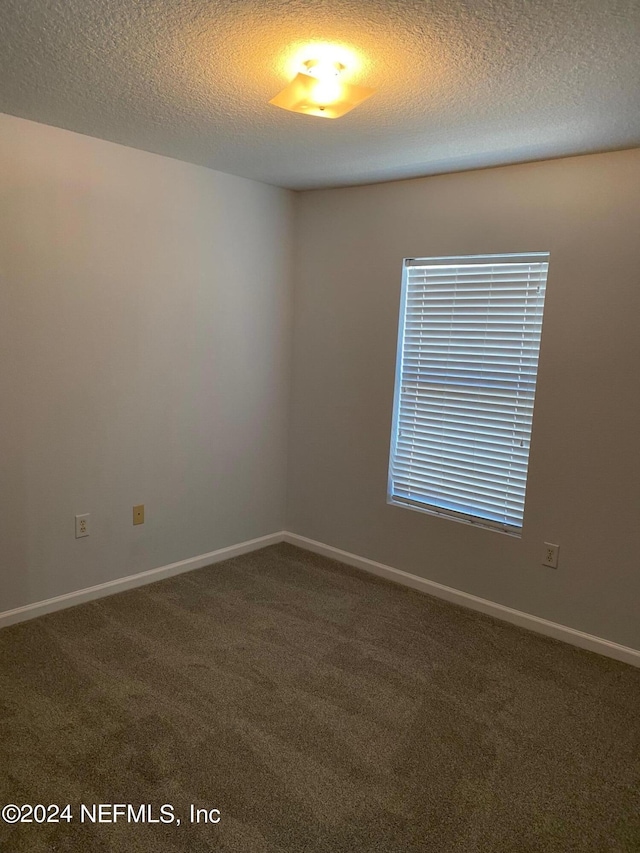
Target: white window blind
<point>468,347</point>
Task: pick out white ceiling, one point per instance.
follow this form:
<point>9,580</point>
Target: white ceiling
<point>460,83</point>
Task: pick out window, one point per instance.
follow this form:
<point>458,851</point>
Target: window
<point>468,347</point>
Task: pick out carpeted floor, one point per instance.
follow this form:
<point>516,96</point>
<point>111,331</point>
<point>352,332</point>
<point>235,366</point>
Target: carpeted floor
<point>321,711</point>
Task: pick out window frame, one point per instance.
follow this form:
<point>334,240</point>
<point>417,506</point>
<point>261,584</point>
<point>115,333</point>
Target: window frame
<point>431,509</point>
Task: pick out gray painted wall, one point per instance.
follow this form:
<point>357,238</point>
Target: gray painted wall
<point>585,461</point>
<point>145,356</point>
<point>145,339</point>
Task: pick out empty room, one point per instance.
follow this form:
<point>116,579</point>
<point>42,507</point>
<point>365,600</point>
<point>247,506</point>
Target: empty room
<point>320,393</point>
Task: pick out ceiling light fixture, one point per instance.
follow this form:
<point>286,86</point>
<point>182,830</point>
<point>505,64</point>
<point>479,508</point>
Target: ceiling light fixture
<point>319,91</point>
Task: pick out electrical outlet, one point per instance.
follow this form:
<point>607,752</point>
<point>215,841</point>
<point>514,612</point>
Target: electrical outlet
<point>550,555</point>
<point>82,525</point>
<point>138,514</point>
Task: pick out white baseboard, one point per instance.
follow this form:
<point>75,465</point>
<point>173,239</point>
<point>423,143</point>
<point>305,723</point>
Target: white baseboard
<point>69,599</point>
<point>499,611</point>
<point>465,599</point>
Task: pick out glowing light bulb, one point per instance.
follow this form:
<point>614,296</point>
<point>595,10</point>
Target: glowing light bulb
<point>326,91</point>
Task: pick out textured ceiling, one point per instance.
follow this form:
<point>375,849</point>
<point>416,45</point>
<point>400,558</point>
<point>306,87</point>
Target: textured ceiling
<point>460,83</point>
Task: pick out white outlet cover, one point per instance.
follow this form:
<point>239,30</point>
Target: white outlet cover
<point>82,525</point>
<point>550,555</point>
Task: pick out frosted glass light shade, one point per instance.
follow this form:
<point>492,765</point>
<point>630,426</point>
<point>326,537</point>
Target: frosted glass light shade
<point>324,98</point>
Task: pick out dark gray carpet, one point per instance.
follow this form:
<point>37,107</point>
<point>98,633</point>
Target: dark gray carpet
<point>319,709</point>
